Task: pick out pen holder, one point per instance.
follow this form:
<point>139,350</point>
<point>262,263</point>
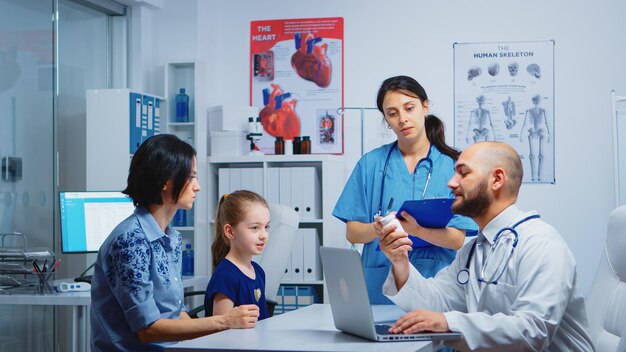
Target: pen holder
<point>43,282</point>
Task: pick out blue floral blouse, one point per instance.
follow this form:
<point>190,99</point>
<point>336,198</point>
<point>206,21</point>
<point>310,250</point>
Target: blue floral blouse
<point>136,281</point>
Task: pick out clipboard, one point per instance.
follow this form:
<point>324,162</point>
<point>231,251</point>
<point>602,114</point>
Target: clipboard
<point>431,213</point>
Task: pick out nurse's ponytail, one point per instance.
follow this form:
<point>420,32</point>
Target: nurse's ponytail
<point>435,132</point>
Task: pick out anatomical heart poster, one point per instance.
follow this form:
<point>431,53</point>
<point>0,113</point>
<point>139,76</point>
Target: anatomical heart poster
<point>296,80</point>
<point>505,92</point>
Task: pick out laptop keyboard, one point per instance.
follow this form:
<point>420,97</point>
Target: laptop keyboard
<point>383,329</point>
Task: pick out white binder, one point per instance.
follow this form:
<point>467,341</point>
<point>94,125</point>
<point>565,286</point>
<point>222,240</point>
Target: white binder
<point>273,185</point>
<point>297,191</point>
<point>310,196</point>
<point>297,260</point>
<point>287,275</point>
<point>223,182</point>
<point>235,179</point>
<point>311,256</point>
<point>285,186</point>
<point>257,181</point>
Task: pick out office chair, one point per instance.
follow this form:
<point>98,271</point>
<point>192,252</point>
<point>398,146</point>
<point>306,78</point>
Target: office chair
<point>274,259</point>
<point>606,303</point>
<point>198,311</point>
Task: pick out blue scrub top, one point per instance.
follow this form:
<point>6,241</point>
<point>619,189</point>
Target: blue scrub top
<point>360,200</point>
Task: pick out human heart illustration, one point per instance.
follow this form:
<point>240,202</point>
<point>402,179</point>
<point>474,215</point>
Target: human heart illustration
<point>278,116</point>
<point>310,60</point>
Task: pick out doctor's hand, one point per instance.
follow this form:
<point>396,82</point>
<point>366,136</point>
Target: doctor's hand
<point>420,320</point>
<point>395,244</point>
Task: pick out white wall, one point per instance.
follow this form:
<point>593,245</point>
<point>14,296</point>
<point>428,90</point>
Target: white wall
<point>415,38</point>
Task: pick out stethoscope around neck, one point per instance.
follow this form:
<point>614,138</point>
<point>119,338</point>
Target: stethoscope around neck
<point>464,275</point>
<point>427,159</point>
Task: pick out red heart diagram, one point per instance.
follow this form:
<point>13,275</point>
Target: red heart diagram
<point>278,116</point>
<point>310,60</point>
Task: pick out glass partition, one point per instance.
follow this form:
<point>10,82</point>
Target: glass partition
<point>26,151</point>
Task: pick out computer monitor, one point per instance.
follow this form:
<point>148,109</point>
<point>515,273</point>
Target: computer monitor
<point>87,218</point>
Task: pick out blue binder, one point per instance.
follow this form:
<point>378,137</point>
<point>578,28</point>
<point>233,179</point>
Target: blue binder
<point>431,213</point>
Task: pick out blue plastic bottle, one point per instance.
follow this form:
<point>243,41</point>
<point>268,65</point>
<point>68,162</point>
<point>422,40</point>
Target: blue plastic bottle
<point>182,106</point>
<point>180,218</point>
<point>188,260</point>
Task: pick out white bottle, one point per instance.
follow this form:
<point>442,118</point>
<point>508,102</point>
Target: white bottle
<point>392,219</point>
<point>288,147</point>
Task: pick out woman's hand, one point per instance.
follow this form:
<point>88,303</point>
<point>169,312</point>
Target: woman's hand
<point>378,226</point>
<point>410,225</point>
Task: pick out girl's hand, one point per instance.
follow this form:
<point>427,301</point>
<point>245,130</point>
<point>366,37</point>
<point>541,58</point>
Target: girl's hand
<point>242,317</point>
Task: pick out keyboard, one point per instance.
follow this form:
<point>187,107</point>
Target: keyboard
<point>383,329</point>
<point>86,278</point>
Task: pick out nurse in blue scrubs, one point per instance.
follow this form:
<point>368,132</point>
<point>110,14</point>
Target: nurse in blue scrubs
<point>416,166</point>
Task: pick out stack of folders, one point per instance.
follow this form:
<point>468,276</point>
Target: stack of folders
<point>296,187</point>
<point>304,264</point>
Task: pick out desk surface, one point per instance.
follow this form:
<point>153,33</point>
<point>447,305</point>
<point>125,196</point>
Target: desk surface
<point>306,329</point>
<point>75,298</point>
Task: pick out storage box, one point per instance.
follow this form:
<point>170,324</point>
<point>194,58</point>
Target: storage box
<point>229,143</point>
<point>231,118</point>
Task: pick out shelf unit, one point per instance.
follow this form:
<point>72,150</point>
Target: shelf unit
<point>330,168</point>
<point>191,76</point>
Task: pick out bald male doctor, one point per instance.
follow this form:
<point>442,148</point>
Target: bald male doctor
<point>524,300</point>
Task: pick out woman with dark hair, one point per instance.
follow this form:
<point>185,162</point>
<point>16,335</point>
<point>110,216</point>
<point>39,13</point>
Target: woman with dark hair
<point>137,290</point>
<point>418,165</point>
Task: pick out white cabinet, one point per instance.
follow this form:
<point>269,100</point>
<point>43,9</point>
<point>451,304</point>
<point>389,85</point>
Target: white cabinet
<point>191,76</point>
<point>311,184</point>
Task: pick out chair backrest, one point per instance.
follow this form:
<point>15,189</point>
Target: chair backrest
<point>606,304</point>
<point>283,227</point>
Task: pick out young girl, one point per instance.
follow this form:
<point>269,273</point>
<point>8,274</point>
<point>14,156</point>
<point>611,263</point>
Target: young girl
<point>241,231</point>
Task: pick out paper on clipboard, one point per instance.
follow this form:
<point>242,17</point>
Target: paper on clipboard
<point>430,213</point>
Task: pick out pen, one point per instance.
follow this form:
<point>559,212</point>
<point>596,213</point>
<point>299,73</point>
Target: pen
<point>36,267</point>
<point>56,265</point>
<point>390,205</point>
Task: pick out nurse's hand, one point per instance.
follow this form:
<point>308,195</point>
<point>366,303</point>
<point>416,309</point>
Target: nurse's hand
<point>378,226</point>
<point>420,320</point>
<point>410,224</point>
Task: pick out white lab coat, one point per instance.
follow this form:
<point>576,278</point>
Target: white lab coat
<point>535,306</point>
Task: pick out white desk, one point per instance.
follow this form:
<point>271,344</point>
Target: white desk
<point>79,302</point>
<point>306,329</point>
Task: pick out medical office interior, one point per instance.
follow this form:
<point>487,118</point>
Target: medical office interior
<point>55,53</point>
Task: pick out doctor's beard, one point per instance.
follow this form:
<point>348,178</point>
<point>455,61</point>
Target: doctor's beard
<point>473,203</point>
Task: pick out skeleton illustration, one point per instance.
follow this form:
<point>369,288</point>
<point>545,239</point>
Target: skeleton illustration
<point>513,68</point>
<point>480,124</point>
<point>473,72</point>
<point>509,111</point>
<point>538,131</point>
<point>534,70</point>
<point>493,69</point>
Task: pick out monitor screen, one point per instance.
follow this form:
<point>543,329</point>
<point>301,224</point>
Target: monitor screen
<point>87,218</point>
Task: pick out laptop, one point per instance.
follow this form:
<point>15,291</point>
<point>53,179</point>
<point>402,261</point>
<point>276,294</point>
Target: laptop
<point>350,303</point>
